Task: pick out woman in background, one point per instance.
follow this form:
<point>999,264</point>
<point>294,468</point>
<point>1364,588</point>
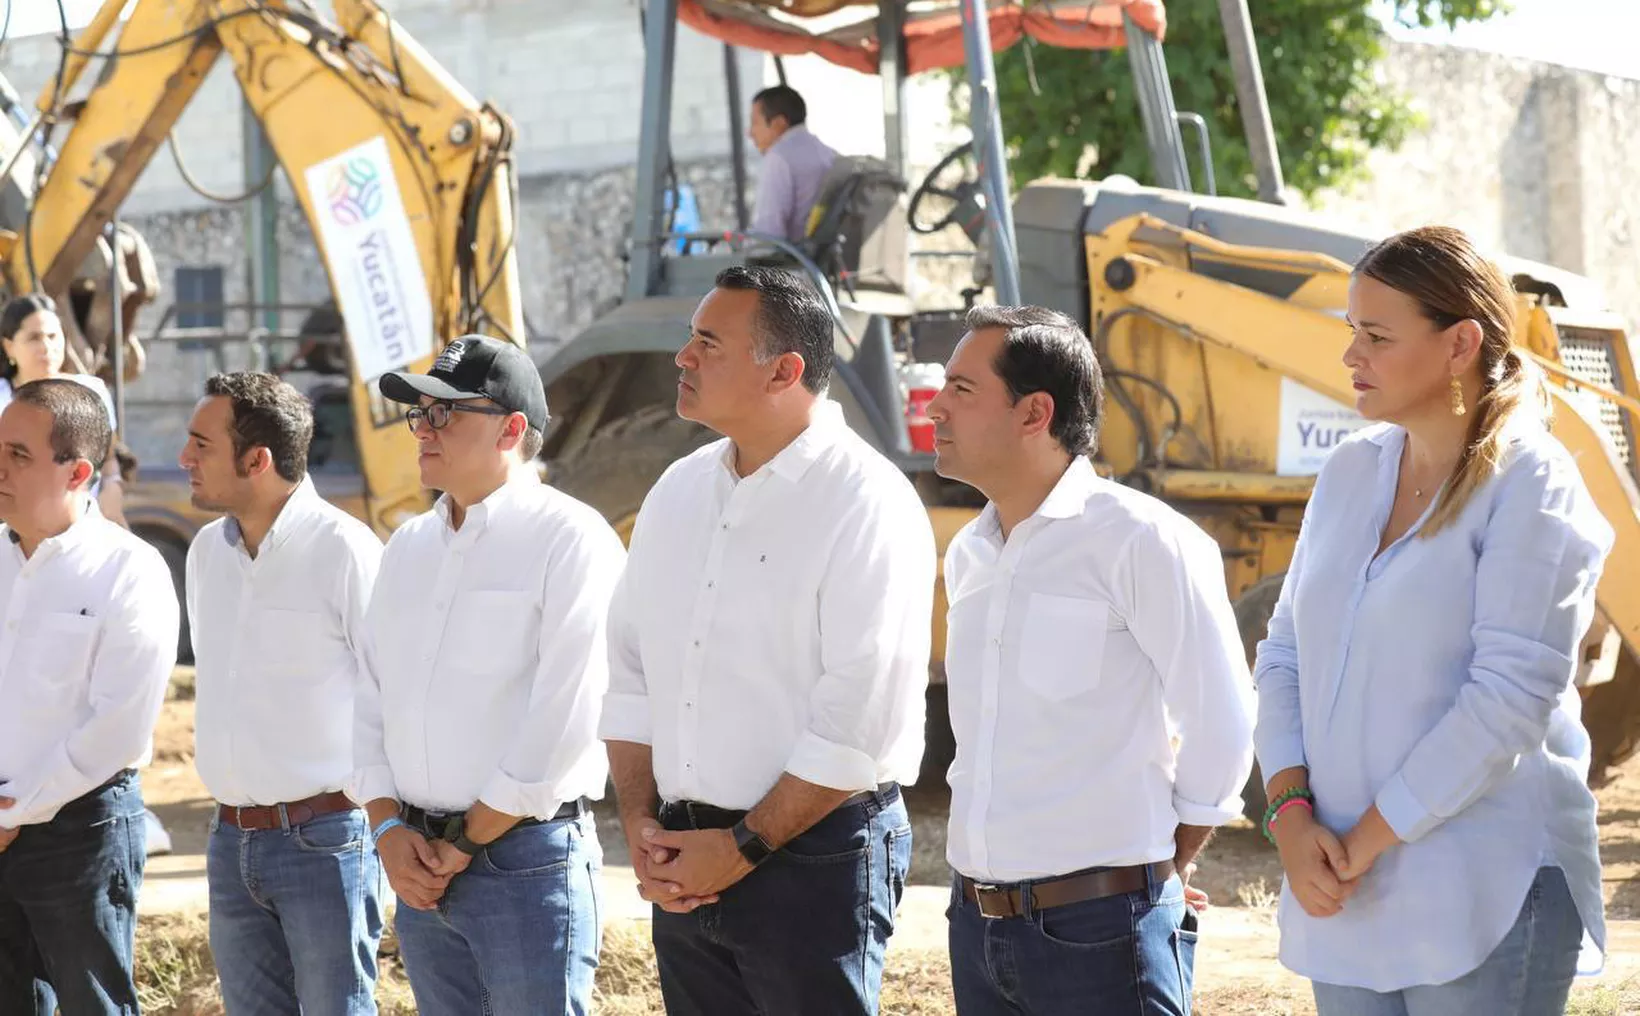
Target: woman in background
<point>31,337</point>
<point>1417,715</point>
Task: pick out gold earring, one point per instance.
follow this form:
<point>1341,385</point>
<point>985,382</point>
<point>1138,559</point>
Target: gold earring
<point>1457,397</point>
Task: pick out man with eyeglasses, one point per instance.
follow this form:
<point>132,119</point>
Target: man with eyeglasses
<point>476,732</point>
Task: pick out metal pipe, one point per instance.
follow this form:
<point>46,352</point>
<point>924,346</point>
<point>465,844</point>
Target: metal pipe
<point>1250,96</point>
<point>737,132</point>
<point>116,303</point>
<point>654,141</point>
<point>1156,107</point>
<point>891,67</point>
<point>985,120</point>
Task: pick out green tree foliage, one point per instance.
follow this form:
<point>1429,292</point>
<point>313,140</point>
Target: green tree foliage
<point>1073,113</point>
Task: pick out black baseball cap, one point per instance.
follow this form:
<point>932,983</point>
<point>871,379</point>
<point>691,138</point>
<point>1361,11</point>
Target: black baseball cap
<point>476,367</point>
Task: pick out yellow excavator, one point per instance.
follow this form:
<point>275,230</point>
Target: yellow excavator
<point>1218,321</point>
<point>405,179</point>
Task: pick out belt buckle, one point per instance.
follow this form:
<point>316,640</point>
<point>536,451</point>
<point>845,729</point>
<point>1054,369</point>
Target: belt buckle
<point>996,892</point>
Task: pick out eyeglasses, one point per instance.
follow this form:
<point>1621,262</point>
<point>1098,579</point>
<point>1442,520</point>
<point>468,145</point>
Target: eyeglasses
<point>437,414</point>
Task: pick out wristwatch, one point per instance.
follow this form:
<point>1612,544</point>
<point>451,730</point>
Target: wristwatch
<point>754,848</point>
<point>455,834</point>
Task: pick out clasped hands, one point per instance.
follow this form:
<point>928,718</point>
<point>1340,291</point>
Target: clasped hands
<point>419,869</point>
<point>1323,871</point>
<point>679,871</point>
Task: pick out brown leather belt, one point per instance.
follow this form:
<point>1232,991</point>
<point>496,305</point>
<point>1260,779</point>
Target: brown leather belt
<point>1008,900</point>
<point>280,816</point>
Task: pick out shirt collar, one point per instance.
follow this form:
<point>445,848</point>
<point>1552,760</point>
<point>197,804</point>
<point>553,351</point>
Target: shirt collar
<point>789,138</point>
<point>478,516</point>
<point>68,538</point>
<point>791,462</point>
<point>301,500</point>
<point>1067,500</point>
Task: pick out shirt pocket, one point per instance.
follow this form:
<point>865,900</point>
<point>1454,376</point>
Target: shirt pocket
<point>294,645</point>
<point>491,633</point>
<point>1062,645</point>
<point>58,653</point>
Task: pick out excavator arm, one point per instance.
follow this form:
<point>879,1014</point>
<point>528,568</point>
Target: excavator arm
<point>405,179</point>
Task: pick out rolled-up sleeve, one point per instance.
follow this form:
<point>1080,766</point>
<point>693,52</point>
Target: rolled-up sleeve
<point>1540,560</point>
<point>876,604</point>
<point>1179,614</point>
<point>557,736</point>
<point>1279,737</point>
<point>136,651</point>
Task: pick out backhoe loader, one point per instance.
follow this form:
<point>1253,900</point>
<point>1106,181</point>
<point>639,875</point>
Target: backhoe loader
<point>405,178</point>
<point>1218,321</point>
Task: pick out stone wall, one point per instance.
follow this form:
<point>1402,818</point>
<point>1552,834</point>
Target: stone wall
<point>1532,159</point>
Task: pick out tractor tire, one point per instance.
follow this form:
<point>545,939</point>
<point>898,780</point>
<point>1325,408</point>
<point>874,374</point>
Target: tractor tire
<point>1611,715</point>
<point>615,468</point>
<point>1253,611</point>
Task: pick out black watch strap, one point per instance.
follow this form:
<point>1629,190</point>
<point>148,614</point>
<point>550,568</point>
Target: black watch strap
<point>754,848</point>
<point>467,846</point>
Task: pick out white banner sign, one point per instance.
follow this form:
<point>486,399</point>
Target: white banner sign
<point>372,256</point>
<point>1312,425</point>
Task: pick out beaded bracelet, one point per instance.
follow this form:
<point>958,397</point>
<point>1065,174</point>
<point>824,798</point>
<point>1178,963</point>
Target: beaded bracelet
<point>1290,794</point>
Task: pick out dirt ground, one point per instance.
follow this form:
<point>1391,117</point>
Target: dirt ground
<point>1237,972</point>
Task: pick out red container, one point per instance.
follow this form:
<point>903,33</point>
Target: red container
<point>917,423</point>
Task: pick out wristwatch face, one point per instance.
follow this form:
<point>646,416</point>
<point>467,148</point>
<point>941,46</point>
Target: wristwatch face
<point>752,846</point>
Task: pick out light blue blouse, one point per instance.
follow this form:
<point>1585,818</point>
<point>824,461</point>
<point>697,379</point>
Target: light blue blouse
<point>1436,682</point>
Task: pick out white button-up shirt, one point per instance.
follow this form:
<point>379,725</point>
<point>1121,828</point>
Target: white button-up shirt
<point>86,651</point>
<point>277,651</point>
<point>1077,651</point>
<point>776,623</point>
<point>487,656</point>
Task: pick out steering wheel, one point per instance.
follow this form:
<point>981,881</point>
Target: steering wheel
<point>954,182</point>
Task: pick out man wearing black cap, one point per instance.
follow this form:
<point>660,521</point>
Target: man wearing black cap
<point>476,733</point>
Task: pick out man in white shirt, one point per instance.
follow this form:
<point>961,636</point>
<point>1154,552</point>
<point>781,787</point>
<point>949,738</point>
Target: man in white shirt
<point>88,637</point>
<point>477,745</point>
<point>769,656</point>
<point>1088,626</point>
<point>276,594</point>
<point>795,163</point>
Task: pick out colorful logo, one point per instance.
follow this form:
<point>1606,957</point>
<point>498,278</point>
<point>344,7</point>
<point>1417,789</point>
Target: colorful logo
<point>355,191</point>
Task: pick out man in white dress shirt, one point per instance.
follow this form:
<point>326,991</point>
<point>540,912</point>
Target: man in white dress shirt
<point>88,641</point>
<point>276,594</point>
<point>477,745</point>
<point>1089,624</point>
<point>769,656</point>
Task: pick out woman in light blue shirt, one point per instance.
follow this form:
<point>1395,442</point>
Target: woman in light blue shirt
<point>1417,717</point>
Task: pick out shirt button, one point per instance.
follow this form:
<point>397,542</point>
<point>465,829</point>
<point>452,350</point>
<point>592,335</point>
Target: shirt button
<point>724,526</point>
<point>688,705</point>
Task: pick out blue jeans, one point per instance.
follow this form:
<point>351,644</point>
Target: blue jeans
<point>296,917</point>
<point>1528,974</point>
<point>68,901</point>
<point>802,935</point>
<point>517,933</point>
<point>1131,954</point>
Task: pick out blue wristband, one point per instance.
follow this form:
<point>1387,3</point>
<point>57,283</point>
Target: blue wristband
<point>387,824</point>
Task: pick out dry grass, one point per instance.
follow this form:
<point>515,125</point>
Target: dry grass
<point>176,978</point>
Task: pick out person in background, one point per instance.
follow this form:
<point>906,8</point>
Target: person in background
<point>476,732</point>
<point>31,337</point>
<point>795,163</point>
<point>1418,724</point>
<point>88,637</point>
<point>276,593</point>
<point>1098,687</point>
<point>769,647</point>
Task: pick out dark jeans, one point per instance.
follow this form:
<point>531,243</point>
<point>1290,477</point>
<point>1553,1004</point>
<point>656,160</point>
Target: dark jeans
<point>803,934</point>
<point>1131,954</point>
<point>68,901</point>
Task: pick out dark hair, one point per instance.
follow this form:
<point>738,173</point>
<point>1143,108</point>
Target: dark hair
<point>531,444</point>
<point>790,319</point>
<point>79,419</point>
<point>1045,351</point>
<point>11,322</point>
<point>1440,269</point>
<point>782,100</point>
<point>267,413</point>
